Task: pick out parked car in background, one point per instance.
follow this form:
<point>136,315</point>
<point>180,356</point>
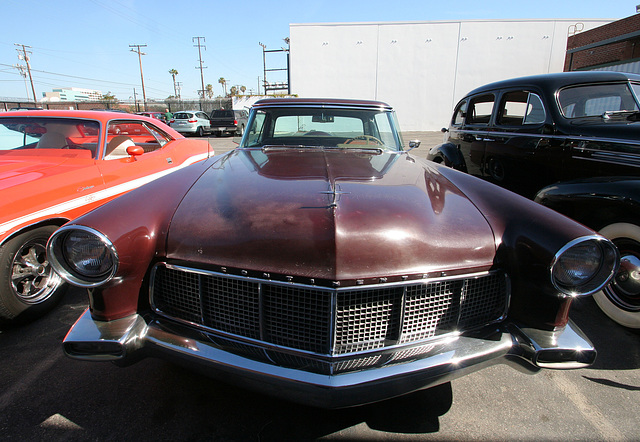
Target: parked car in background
<point>322,262</point>
<point>225,121</point>
<point>527,133</point>
<point>191,122</point>
<point>157,115</point>
<point>57,165</point>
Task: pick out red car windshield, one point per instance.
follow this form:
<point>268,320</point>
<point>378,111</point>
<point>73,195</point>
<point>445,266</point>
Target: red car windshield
<point>19,133</point>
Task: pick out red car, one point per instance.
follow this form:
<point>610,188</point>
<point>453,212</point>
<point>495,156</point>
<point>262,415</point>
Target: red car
<point>57,165</point>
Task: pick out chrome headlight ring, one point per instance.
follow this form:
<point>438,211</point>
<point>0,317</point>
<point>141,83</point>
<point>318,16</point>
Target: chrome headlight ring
<point>82,256</point>
<point>584,266</point>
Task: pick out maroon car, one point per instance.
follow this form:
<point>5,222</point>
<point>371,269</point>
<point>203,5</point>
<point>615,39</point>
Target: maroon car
<point>322,262</point>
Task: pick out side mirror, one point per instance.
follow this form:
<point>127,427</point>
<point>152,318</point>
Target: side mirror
<point>135,151</point>
<point>414,144</point>
<point>444,130</point>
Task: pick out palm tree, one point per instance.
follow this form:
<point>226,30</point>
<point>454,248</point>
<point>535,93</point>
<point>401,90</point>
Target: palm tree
<point>223,82</point>
<point>209,90</point>
<point>243,89</point>
<point>173,73</point>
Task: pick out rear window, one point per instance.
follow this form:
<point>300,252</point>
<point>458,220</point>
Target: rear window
<point>221,113</point>
<point>183,116</point>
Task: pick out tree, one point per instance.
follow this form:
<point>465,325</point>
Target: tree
<point>173,73</point>
<point>234,91</point>
<point>243,89</point>
<point>109,97</point>
<point>209,90</point>
<point>223,82</point>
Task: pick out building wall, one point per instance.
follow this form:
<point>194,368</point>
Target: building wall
<point>422,68</point>
<point>611,44</point>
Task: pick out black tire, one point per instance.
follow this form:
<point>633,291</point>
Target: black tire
<point>199,131</point>
<point>239,131</point>
<point>28,285</point>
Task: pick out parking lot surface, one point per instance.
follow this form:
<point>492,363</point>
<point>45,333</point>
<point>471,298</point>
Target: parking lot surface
<point>46,396</point>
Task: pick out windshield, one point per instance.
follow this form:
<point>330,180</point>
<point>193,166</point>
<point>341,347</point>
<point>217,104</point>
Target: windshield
<point>596,100</point>
<point>21,133</point>
<point>322,127</point>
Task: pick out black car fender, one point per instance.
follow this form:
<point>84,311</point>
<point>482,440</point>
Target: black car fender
<point>448,154</point>
<point>595,202</point>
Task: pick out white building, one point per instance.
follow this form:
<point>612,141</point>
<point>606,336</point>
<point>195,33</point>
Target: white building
<point>423,68</point>
<point>72,94</point>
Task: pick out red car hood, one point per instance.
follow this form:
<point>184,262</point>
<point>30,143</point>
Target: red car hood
<point>333,215</point>
<point>19,168</point>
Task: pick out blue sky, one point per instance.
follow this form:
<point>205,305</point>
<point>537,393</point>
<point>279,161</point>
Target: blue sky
<point>85,43</point>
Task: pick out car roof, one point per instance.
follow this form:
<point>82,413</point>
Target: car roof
<point>557,81</point>
<point>321,102</point>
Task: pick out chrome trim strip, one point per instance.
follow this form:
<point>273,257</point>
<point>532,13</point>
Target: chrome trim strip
<point>568,137</point>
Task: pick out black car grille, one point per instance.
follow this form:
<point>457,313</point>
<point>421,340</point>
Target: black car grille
<point>324,321</point>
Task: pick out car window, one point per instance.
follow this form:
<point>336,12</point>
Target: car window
<point>59,134</point>
<point>343,128</point>
<point>480,109</point>
<point>182,116</point>
<point>520,108</point>
<point>124,134</point>
<point>458,115</point>
<point>595,100</point>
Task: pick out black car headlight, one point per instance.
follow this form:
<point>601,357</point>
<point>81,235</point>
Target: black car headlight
<point>82,256</point>
<point>584,266</point>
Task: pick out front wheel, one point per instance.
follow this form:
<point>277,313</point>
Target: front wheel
<point>620,300</point>
<point>28,284</point>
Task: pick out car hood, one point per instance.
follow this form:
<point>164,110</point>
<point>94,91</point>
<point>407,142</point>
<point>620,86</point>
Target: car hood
<point>334,215</point>
<point>16,169</point>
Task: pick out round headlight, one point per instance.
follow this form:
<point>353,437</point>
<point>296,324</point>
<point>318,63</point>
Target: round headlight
<point>82,256</point>
<point>584,266</point>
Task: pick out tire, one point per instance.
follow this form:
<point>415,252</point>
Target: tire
<point>497,170</point>
<point>620,300</point>
<point>199,131</point>
<point>239,131</point>
<point>28,285</point>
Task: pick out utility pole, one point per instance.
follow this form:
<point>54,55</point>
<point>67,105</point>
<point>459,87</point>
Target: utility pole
<point>140,54</point>
<point>199,46</point>
<point>25,57</point>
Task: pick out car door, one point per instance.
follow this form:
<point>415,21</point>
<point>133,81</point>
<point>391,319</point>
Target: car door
<point>471,128</point>
<point>122,172</point>
<point>521,154</point>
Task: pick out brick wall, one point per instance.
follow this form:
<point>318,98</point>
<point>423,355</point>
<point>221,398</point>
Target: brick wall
<point>615,52</point>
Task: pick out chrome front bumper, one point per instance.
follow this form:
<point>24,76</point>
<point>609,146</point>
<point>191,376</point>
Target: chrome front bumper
<point>128,339</point>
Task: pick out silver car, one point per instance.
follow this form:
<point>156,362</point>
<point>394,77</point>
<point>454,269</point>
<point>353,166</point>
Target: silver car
<point>191,122</point>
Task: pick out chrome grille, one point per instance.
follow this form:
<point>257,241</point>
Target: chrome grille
<point>328,321</point>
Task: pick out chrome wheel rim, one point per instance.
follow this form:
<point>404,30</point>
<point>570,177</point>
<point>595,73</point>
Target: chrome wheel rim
<point>624,290</point>
<point>32,277</point>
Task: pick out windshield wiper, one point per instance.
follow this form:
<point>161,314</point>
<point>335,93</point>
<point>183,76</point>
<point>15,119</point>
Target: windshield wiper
<point>626,114</point>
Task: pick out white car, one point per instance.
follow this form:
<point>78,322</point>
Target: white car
<point>191,122</point>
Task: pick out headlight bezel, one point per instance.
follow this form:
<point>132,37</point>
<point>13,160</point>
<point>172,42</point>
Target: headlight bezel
<point>607,268</point>
<point>69,272</point>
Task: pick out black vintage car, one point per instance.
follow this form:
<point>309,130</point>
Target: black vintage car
<point>576,131</point>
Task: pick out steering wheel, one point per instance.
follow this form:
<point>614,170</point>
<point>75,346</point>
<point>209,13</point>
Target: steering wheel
<point>368,139</point>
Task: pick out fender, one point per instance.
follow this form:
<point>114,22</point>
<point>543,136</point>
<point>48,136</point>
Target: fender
<point>595,202</point>
<point>448,154</point>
